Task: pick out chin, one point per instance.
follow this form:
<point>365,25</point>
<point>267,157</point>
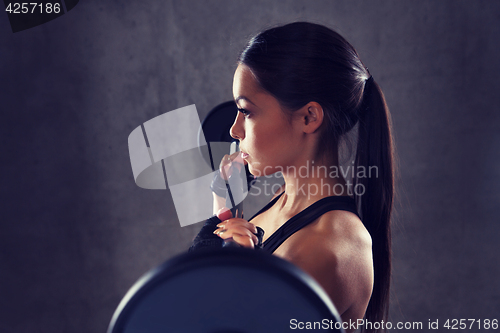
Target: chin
<point>253,171</point>
<point>257,172</point>
<point>260,171</point>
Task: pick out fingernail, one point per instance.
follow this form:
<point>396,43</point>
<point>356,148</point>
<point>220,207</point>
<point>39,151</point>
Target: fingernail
<point>219,231</point>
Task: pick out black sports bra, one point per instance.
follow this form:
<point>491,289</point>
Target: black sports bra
<point>305,217</point>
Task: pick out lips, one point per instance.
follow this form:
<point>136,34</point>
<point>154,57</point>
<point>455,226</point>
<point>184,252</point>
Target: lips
<point>244,155</point>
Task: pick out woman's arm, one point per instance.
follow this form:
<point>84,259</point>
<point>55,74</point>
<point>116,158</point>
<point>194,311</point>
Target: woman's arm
<point>219,203</point>
<point>336,252</point>
<point>228,165</point>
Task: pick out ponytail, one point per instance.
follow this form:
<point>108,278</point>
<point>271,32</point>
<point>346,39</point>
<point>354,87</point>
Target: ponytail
<point>375,151</point>
<point>302,62</point>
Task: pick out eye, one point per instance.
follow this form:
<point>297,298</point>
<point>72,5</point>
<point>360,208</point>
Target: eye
<point>245,112</point>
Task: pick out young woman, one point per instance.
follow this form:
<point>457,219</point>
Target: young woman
<point>300,88</point>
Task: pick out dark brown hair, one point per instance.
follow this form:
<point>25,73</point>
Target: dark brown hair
<point>302,62</point>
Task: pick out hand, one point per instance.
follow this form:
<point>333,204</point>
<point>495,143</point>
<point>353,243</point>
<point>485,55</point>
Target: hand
<point>230,161</point>
<point>240,230</point>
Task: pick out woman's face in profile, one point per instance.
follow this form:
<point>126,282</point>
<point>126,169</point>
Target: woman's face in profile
<point>267,138</point>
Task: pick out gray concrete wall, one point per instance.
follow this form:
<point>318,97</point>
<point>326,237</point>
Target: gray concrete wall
<point>75,230</point>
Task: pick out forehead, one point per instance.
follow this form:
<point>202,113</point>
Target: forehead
<point>244,82</point>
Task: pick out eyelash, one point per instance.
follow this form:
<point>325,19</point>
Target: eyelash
<point>245,112</point>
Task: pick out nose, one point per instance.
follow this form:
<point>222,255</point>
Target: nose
<point>236,131</point>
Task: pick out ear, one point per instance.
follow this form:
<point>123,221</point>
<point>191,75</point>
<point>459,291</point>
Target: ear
<point>311,117</point>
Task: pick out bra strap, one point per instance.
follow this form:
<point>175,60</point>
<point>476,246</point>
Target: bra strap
<point>307,216</point>
<point>266,207</point>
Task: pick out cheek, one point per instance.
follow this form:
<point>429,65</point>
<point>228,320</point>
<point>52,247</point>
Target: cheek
<point>260,141</point>
<point>267,153</point>
<point>268,146</point>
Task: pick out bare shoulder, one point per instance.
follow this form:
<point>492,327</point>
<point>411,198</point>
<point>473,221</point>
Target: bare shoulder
<point>346,233</point>
<point>336,250</point>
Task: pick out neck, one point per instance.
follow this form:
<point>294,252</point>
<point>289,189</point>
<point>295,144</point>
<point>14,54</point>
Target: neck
<point>310,181</point>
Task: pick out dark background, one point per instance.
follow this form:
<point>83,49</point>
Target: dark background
<point>76,232</point>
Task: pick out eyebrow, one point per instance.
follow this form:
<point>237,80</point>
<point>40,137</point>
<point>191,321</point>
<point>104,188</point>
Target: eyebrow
<point>239,98</point>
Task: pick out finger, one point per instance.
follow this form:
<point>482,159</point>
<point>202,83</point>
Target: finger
<point>226,160</point>
<point>234,222</point>
<point>228,233</point>
<point>244,241</point>
<point>236,157</point>
<point>224,214</point>
<point>225,171</point>
<point>225,167</point>
<point>231,161</point>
